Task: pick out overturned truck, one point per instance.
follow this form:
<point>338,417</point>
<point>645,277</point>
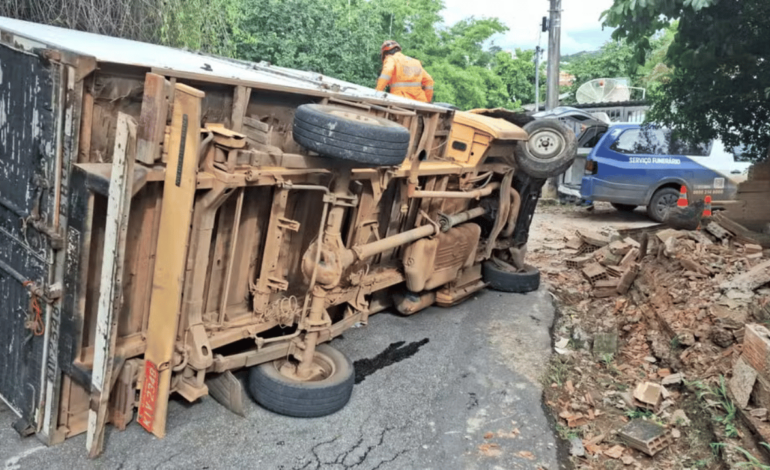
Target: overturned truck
<point>167,218</point>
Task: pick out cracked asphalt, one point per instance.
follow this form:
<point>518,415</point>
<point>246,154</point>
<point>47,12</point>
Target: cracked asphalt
<point>467,398</point>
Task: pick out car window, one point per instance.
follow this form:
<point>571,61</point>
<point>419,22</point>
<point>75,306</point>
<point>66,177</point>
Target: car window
<point>591,136</point>
<point>679,146</point>
<point>642,141</point>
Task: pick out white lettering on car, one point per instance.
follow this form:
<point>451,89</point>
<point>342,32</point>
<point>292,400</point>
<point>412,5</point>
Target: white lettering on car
<point>655,160</point>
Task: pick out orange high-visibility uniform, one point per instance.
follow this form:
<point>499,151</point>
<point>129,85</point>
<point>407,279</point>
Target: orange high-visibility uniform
<point>406,78</point>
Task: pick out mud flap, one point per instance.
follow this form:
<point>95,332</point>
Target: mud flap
<point>227,390</point>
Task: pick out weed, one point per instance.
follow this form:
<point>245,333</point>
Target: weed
<point>607,359</point>
<point>752,462</point>
<point>675,342</point>
<point>558,372</point>
<point>640,414</point>
<point>703,463</point>
<point>702,391</point>
<point>566,433</point>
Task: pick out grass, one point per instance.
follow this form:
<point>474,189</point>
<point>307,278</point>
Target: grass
<point>566,433</point>
<point>557,373</point>
<point>719,394</point>
<point>640,414</point>
<point>752,462</point>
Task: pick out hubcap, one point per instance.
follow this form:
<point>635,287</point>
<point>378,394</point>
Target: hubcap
<point>665,204</point>
<point>322,368</point>
<point>545,144</point>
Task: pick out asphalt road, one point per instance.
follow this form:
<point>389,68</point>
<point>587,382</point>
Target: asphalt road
<point>452,377</point>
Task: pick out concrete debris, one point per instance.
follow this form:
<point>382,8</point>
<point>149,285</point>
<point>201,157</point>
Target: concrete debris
<point>679,418</point>
<point>576,447</point>
<point>648,395</point>
<point>593,238</point>
<point>662,306</point>
<point>605,344</point>
<point>742,383</point>
<point>673,379</point>
<point>756,277</point>
<point>645,436</point>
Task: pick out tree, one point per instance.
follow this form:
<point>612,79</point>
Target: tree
<point>518,74</point>
<point>720,82</point>
<point>342,39</point>
<point>614,60</point>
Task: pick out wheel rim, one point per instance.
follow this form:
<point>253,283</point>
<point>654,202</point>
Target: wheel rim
<point>363,118</point>
<point>545,144</point>
<point>321,360</point>
<point>665,203</point>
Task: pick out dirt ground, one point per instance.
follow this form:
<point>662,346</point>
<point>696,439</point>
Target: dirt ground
<point>664,327</point>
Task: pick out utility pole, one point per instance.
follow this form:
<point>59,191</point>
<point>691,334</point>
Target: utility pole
<point>554,55</point>
<point>537,78</point>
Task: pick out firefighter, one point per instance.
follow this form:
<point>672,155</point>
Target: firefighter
<point>403,74</point>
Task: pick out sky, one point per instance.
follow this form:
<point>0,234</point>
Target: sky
<point>581,28</point>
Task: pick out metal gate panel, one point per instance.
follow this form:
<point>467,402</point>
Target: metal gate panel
<point>29,106</point>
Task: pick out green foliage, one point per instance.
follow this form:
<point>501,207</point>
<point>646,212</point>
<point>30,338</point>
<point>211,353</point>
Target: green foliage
<point>342,39</point>
<point>615,59</point>
<point>210,26</point>
<point>720,394</point>
<point>518,75</point>
<point>720,82</point>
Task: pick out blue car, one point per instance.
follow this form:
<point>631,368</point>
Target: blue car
<point>635,165</point>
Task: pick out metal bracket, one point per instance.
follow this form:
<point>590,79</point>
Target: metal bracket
<point>340,200</point>
<point>277,284</point>
<point>288,224</point>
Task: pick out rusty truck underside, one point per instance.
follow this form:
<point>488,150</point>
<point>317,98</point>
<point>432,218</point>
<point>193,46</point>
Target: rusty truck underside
<point>197,237</point>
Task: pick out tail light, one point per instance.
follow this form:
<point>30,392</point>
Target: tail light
<point>591,167</point>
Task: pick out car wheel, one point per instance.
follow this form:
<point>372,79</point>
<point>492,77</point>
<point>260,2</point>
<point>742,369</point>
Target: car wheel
<point>549,151</point>
<point>661,202</point>
<point>349,134</point>
<point>504,280</point>
<point>624,207</point>
<point>287,396</point>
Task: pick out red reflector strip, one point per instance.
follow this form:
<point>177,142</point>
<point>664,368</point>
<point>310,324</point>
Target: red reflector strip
<point>146,416</point>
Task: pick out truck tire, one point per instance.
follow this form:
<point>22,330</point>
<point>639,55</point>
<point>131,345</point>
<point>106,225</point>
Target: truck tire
<point>351,135</point>
<point>661,202</point>
<point>506,281</point>
<point>286,396</point>
<point>549,151</point>
<point>624,207</point>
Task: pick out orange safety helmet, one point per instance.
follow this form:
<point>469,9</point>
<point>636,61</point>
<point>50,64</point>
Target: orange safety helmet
<point>389,45</point>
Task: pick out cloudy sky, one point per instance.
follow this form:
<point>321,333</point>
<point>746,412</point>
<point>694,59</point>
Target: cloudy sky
<point>581,28</point>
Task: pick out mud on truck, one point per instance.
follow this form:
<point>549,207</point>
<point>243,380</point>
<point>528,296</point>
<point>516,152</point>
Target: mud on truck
<point>169,218</point>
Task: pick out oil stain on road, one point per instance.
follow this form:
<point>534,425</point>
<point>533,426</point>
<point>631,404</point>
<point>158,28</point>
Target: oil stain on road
<point>394,353</point>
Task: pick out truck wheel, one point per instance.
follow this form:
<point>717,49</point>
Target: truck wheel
<point>661,202</point>
<point>506,281</point>
<point>283,395</point>
<point>549,151</point>
<point>350,135</point>
<point>624,207</point>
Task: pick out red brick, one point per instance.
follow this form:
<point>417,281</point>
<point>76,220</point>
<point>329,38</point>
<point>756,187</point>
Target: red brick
<point>756,348</point>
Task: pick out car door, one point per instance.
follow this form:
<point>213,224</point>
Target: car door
<point>718,174</point>
<point>629,161</point>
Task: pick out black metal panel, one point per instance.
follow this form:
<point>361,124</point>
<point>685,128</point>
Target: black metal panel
<point>76,238</point>
<point>28,90</point>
